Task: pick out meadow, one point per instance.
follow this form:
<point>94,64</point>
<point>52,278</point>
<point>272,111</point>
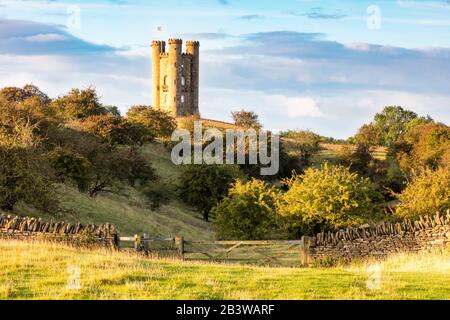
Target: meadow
<point>46,271</point>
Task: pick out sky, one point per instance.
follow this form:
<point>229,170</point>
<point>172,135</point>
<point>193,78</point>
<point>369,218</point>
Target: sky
<point>325,66</point>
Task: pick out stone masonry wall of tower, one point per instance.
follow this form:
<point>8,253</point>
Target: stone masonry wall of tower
<point>175,77</point>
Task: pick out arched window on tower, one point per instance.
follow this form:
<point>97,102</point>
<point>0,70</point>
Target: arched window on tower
<point>183,81</point>
<point>165,80</point>
<point>182,98</point>
<point>166,99</point>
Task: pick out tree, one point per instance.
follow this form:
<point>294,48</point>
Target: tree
<point>368,136</point>
<point>78,104</point>
<point>248,212</point>
<point>17,95</point>
<point>71,165</point>
<point>157,121</point>
<point>328,198</point>
<point>426,193</point>
<point>117,130</point>
<point>424,145</point>
<point>18,127</point>
<point>103,175</point>
<point>203,186</point>
<point>129,165</point>
<point>392,123</point>
<point>20,180</point>
<point>359,159</point>
<point>246,119</point>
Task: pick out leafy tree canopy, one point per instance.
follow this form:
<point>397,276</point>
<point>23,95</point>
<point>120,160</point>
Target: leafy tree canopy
<point>203,186</point>
<point>426,193</point>
<point>79,104</point>
<point>329,197</point>
<point>246,119</point>
<point>248,212</point>
<point>158,121</point>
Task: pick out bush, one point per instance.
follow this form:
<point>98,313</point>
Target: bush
<point>246,119</point>
<point>249,211</point>
<point>203,186</point>
<point>188,122</point>
<point>20,180</point>
<point>328,198</point>
<point>426,193</point>
<point>78,104</point>
<point>424,145</point>
<point>18,127</point>
<point>117,130</point>
<point>161,123</point>
<point>18,95</point>
<point>130,166</point>
<point>368,136</point>
<point>71,165</point>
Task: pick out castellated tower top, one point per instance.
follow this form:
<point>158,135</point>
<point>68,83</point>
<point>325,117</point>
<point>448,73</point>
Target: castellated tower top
<point>175,41</point>
<point>193,43</point>
<point>175,77</point>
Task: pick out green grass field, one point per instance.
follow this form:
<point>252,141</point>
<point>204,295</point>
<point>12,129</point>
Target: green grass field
<point>43,271</point>
<point>130,211</point>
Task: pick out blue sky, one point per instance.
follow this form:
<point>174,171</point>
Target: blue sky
<point>327,66</point>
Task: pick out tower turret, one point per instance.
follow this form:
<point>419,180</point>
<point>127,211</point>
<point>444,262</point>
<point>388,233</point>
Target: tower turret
<point>158,47</point>
<point>193,48</point>
<point>174,75</point>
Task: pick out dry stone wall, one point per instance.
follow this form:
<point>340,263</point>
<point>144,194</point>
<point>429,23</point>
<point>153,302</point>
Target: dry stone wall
<point>25,228</point>
<point>424,234</point>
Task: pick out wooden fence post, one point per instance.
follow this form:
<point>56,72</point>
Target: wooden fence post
<point>137,243</point>
<point>179,240</point>
<point>305,250</point>
<point>145,243</point>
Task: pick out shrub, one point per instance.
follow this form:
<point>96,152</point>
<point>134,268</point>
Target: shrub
<point>426,193</point>
<point>20,180</point>
<point>130,166</point>
<point>246,119</point>
<point>425,145</point>
<point>117,130</point>
<point>368,136</point>
<point>161,123</point>
<point>249,211</point>
<point>78,104</point>
<point>71,165</point>
<point>17,95</point>
<point>329,197</point>
<point>188,122</point>
<point>203,186</point>
<point>18,128</point>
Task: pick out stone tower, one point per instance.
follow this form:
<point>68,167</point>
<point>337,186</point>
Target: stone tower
<point>175,77</point>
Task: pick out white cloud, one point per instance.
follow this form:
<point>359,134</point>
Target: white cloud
<point>47,37</point>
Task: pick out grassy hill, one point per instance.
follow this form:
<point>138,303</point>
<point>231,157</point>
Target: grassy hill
<point>130,211</point>
<point>42,271</point>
